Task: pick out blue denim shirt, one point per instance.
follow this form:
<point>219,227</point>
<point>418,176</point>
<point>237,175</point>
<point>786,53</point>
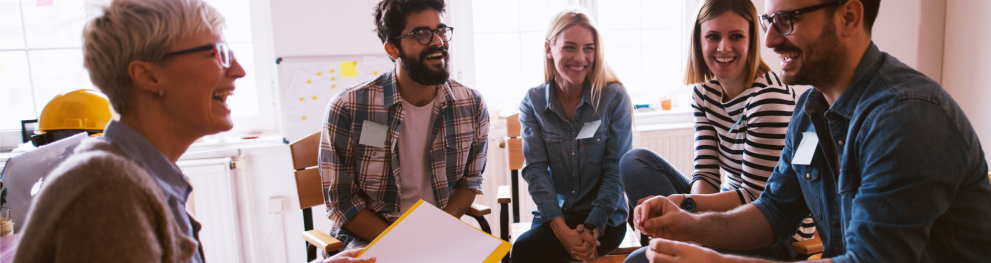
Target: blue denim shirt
<point>898,174</point>
<point>174,183</point>
<point>577,176</point>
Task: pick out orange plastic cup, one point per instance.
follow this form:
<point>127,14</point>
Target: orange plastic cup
<point>665,103</point>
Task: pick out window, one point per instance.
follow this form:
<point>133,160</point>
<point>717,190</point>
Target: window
<point>643,40</point>
<point>41,56</point>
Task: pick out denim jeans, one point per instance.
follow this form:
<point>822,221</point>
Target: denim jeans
<point>539,244</point>
<point>645,173</point>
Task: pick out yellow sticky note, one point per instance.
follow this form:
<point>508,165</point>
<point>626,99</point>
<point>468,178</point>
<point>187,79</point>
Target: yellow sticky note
<point>349,69</point>
<point>319,74</point>
<point>307,81</point>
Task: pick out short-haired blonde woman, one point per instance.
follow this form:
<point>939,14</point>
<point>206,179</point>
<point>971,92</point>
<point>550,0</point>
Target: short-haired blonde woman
<point>741,114</point>
<point>576,126</point>
<point>167,71</point>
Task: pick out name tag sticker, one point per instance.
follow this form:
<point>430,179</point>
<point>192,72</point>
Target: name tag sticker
<point>806,149</point>
<point>589,129</point>
<point>373,134</point>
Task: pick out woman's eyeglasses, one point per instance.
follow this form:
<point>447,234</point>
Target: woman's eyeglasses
<point>782,20</point>
<point>424,36</point>
<point>224,54</point>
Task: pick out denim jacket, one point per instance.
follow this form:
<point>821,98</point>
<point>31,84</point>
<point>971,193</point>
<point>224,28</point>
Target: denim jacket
<point>898,174</point>
<point>577,176</point>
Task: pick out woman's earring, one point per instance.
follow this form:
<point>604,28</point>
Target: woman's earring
<point>161,93</point>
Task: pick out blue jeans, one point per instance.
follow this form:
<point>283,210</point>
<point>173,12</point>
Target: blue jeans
<point>539,244</point>
<point>645,173</point>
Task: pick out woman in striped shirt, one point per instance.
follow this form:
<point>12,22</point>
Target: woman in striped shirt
<point>741,115</point>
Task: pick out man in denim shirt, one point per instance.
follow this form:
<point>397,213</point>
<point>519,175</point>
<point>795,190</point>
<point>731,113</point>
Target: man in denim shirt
<point>897,174</point>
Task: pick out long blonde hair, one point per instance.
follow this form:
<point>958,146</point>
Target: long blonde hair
<point>697,71</point>
<point>601,74</point>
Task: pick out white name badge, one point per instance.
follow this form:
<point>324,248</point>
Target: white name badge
<point>589,129</point>
<point>373,134</point>
<point>806,149</point>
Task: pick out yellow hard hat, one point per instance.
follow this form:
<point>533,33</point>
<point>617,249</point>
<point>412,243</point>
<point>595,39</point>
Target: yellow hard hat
<point>81,109</point>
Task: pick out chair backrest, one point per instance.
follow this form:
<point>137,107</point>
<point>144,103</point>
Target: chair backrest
<point>305,154</point>
<point>514,144</point>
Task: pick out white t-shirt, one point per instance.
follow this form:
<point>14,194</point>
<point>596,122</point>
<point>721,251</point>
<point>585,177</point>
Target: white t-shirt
<point>415,182</point>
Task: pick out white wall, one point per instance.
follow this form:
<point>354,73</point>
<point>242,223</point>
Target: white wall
<point>965,61</point>
<point>326,27</point>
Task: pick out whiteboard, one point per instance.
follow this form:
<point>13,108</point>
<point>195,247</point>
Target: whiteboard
<point>306,85</point>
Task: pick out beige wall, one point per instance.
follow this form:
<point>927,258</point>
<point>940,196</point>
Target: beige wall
<point>965,63</point>
<point>910,30</point>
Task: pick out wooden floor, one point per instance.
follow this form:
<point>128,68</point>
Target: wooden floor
<point>630,243</point>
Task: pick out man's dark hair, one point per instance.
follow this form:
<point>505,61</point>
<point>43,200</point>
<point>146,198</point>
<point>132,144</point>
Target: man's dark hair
<point>871,8</point>
<point>390,16</point>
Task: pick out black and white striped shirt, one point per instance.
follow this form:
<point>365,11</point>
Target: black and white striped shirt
<point>743,136</point>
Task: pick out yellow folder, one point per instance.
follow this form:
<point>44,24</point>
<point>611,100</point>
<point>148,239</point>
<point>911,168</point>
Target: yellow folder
<point>427,234</point>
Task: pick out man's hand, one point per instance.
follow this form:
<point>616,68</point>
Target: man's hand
<point>662,250</point>
<point>348,257</point>
<point>645,199</point>
<point>659,217</point>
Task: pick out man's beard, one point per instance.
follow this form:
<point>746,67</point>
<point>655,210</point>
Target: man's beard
<point>821,63</point>
<point>418,70</point>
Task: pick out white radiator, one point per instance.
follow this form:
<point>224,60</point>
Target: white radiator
<point>674,142</point>
<point>214,204</point>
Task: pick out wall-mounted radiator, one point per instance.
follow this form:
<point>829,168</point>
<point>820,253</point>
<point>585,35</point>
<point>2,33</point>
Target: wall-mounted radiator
<point>214,204</point>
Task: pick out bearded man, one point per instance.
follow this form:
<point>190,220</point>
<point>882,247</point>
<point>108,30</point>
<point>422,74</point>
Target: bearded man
<point>880,155</point>
<point>406,135</point>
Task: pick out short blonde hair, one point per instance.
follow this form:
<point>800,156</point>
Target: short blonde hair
<point>139,30</point>
<point>601,74</point>
<point>697,71</point>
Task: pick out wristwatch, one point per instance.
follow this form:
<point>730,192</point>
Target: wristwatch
<point>688,204</point>
<point>591,227</point>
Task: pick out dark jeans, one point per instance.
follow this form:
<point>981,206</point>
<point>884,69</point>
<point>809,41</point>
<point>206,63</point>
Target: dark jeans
<point>643,173</point>
<point>539,244</point>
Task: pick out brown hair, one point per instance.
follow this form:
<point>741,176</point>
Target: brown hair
<point>697,71</point>
<point>601,74</point>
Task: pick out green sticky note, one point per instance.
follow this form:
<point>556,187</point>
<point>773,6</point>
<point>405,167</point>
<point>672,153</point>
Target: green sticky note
<point>349,69</point>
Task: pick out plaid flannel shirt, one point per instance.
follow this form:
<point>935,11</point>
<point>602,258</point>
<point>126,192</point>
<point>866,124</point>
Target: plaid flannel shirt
<point>356,176</point>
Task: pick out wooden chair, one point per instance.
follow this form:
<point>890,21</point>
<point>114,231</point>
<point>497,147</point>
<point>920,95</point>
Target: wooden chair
<point>305,158</point>
<point>514,148</point>
<point>811,247</point>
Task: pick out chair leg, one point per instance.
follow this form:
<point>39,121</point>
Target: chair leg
<point>516,195</point>
<point>504,222</point>
<point>504,227</point>
<point>484,224</point>
<point>311,251</point>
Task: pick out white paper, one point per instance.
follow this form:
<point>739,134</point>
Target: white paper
<point>806,149</point>
<point>373,66</point>
<point>589,129</point>
<point>373,134</point>
<point>428,234</point>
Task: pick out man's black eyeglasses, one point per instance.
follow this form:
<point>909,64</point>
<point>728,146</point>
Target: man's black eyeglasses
<point>224,53</point>
<point>782,20</point>
<point>424,36</point>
